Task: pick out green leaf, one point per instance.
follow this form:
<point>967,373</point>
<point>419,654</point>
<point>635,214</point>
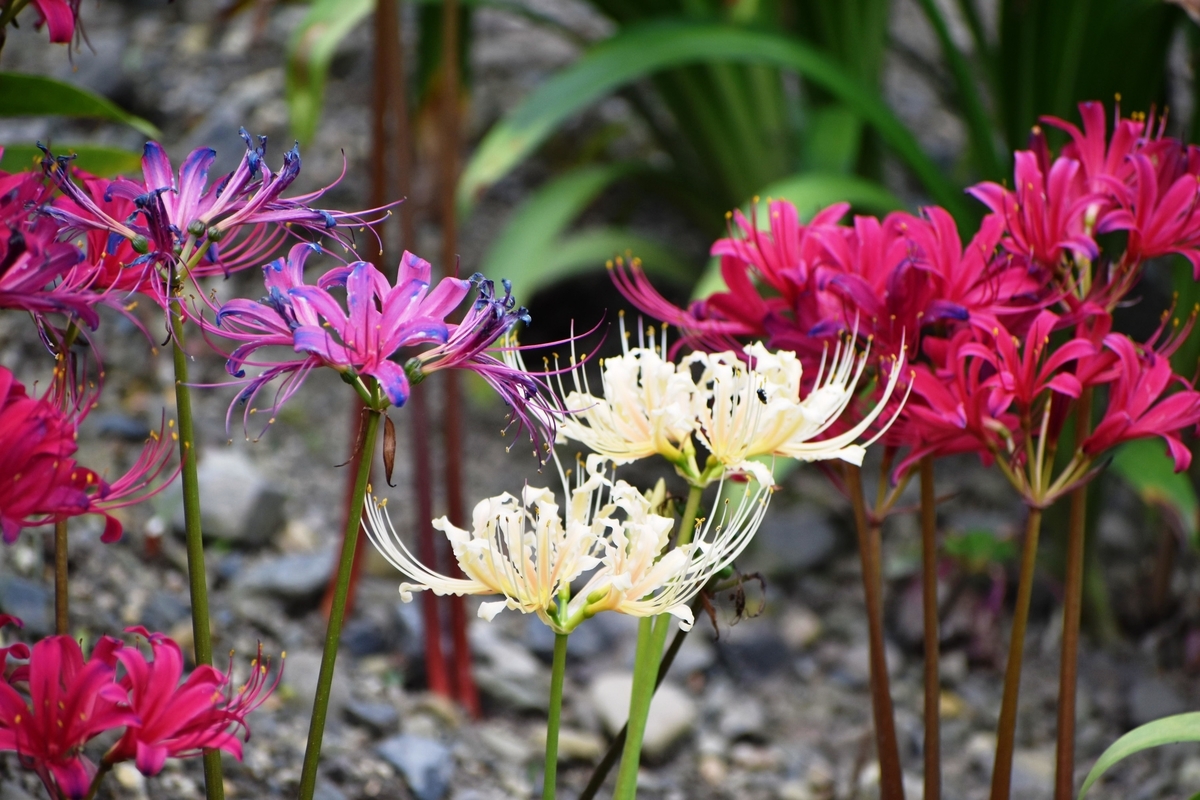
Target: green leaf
<point>978,548</point>
<point>535,250</point>
<point>103,161</point>
<point>809,192</point>
<point>37,95</point>
<point>1146,467</point>
<point>1168,730</point>
<point>309,54</point>
<point>642,50</point>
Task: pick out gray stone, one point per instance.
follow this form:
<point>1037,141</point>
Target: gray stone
<point>301,673</point>
<point>163,610</point>
<point>744,718</point>
<point>326,790</point>
<point>509,673</point>
<point>672,711</point>
<point>1152,698</point>
<point>10,790</point>
<point>426,765</point>
<point>586,641</point>
<point>792,540</point>
<point>29,601</point>
<point>296,576</point>
<point>237,502</point>
<point>696,654</point>
<point>380,718</point>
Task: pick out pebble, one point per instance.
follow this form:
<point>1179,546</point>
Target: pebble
<point>293,577</point>
<point>327,790</point>
<point>792,540</point>
<point>380,718</point>
<point>29,601</point>
<point>712,769</point>
<point>301,673</point>
<point>1152,698</point>
<point>754,758</point>
<point>509,674</point>
<point>237,502</point>
<point>573,744</point>
<point>672,711</point>
<point>10,790</point>
<point>799,627</point>
<point>129,779</point>
<point>1033,774</point>
<point>426,765</point>
<point>742,718</point>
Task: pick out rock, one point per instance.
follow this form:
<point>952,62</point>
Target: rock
<point>744,718</point>
<point>954,667</point>
<point>756,653</point>
<point>327,790</point>
<point>792,540</point>
<point>856,662</point>
<point>795,790</point>
<point>119,426</point>
<point>696,654</point>
<point>712,769</point>
<point>303,668</point>
<point>294,577</point>
<point>1187,777</point>
<point>1152,698</point>
<point>672,711</point>
<point>799,627</point>
<point>11,790</point>
<point>586,641</point>
<point>30,602</point>
<point>163,610</point>
<point>237,503</point>
<point>574,744</point>
<point>130,780</point>
<point>754,758</point>
<point>426,765</point>
<point>379,718</point>
<point>509,673</point>
<point>366,637</point>
<point>1033,774</point>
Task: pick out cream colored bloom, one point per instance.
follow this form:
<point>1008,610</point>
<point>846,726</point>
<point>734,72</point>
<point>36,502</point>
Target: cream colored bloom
<point>645,406</point>
<point>611,530</point>
<point>747,410</point>
<point>637,578</point>
<point>517,548</point>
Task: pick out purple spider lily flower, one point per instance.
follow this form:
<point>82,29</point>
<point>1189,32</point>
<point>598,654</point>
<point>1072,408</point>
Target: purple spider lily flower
<point>245,212</point>
<point>377,324</point>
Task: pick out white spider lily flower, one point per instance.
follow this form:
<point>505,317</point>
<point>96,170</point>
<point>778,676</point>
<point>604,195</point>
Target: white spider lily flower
<point>519,549</point>
<point>645,405</point>
<point>755,409</point>
<point>638,579</point>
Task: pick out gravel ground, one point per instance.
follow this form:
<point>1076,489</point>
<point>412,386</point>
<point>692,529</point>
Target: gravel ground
<point>775,706</point>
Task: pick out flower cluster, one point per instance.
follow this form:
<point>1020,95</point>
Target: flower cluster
<point>1006,334</point>
<point>56,702</point>
<point>40,481</point>
<point>531,554</point>
<point>395,334</point>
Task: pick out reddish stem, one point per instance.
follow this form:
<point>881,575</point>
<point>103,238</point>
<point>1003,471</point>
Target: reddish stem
<point>929,603</point>
<point>891,779</point>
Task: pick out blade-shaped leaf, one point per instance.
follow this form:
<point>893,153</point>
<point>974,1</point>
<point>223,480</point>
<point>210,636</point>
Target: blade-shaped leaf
<point>809,192</point>
<point>103,161</point>
<point>310,51</point>
<point>37,95</point>
<point>642,50</point>
<point>1147,468</point>
<point>534,250</point>
<point>1168,730</point>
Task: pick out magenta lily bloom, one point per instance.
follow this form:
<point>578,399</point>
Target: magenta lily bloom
<point>40,481</point>
<point>1140,405</point>
<point>59,17</point>
<point>182,720</point>
<point>369,334</point>
<point>70,702</point>
<point>240,219</point>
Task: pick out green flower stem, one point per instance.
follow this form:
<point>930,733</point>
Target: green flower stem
<point>1006,731</point>
<point>556,690</point>
<point>316,726</point>
<point>652,636</point>
<point>97,779</point>
<point>214,785</point>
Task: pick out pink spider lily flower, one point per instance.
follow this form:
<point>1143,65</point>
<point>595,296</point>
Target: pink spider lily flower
<point>1162,216</point>
<point>238,220</point>
<point>1101,157</point>
<point>1026,369</point>
<point>1045,216</point>
<point>17,650</point>
<point>377,324</point>
<point>182,720</point>
<point>70,702</point>
<point>38,273</point>
<point>59,17</point>
<point>40,481</point>
<point>1140,404</point>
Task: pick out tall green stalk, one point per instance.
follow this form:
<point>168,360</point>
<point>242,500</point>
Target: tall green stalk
<point>1006,731</point>
<point>652,636</point>
<point>214,783</point>
<point>316,725</point>
<point>552,723</point>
